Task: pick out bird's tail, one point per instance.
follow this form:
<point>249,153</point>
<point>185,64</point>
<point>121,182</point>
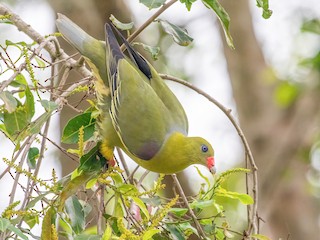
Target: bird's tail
<point>72,32</point>
<point>92,49</point>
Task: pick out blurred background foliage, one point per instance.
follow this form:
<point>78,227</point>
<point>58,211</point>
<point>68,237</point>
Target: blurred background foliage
<point>273,77</point>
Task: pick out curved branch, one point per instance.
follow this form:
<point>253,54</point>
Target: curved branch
<point>253,216</point>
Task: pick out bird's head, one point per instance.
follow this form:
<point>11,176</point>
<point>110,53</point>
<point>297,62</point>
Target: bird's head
<point>203,153</point>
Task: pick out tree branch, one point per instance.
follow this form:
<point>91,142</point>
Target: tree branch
<point>148,22</point>
<point>252,221</point>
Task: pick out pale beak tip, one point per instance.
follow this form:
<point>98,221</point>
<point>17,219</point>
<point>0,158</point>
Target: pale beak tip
<point>213,170</point>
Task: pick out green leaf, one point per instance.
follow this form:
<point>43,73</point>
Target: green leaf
<point>49,106</point>
<point>313,62</point>
<point>312,26</point>
<point>260,237</point>
<point>71,187</point>
<point>76,214</point>
<point>16,121</point>
<point>179,211</point>
<point>17,231</point>
<point>202,204</point>
<point>34,201</point>
<point>118,210</point>
<point>154,201</point>
<point>71,130</point>
<point>10,43</point>
<point>31,220</point>
<point>127,189</point>
<point>86,209</point>
<point>117,178</point>
<point>152,3</point>
<point>188,3</point>
<point>40,62</point>
<point>21,80</point>
<point>264,4</point>
<point>242,197</point>
<point>223,17</point>
<point>91,183</point>
<point>219,234</point>
<point>175,232</point>
<point>92,161</point>
<point>34,127</point>
<point>107,233</point>
<point>154,51</point>
<point>10,103</point>
<point>87,237</point>
<point>149,234</point>
<point>4,130</point>
<point>120,25</point>
<point>29,103</point>
<point>186,227</point>
<point>33,154</point>
<point>286,93</point>
<point>208,226</point>
<point>179,35</point>
<point>4,223</point>
<point>142,207</point>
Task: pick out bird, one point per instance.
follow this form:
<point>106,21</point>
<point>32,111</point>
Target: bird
<point>138,111</point>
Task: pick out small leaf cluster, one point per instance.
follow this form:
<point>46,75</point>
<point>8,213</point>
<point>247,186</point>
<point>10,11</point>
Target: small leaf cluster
<point>17,105</point>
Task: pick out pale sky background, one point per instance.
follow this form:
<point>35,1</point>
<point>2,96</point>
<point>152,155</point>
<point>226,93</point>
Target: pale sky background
<point>282,44</point>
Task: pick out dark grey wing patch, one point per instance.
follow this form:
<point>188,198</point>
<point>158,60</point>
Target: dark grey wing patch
<point>136,57</point>
<point>115,55</point>
<point>148,150</point>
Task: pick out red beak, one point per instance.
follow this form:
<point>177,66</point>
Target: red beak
<point>211,164</point>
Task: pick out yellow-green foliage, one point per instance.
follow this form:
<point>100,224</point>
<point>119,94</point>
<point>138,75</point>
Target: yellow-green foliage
<point>161,213</point>
<point>79,89</point>
<point>29,175</point>
<point>125,233</point>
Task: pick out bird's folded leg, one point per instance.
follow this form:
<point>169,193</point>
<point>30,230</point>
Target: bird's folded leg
<point>107,152</point>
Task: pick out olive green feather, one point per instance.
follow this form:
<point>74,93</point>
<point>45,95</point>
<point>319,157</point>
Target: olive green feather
<point>139,113</point>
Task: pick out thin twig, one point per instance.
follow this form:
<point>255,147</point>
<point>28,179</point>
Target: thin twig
<point>138,226</point>
<point>22,160</point>
<point>41,155</point>
<point>146,172</point>
<point>185,200</point>
<point>148,22</point>
<point>15,157</point>
<point>252,225</point>
<point>101,210</point>
<point>123,162</point>
<point>63,79</point>
<point>50,46</point>
<point>64,151</point>
<point>130,177</point>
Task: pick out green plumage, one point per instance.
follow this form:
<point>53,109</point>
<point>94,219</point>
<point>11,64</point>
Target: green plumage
<point>139,113</point>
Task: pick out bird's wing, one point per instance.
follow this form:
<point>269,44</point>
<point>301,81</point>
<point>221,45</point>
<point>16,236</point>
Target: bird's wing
<point>179,118</point>
<point>140,118</point>
<point>92,49</point>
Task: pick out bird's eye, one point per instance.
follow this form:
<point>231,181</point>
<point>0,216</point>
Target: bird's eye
<point>204,148</point>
